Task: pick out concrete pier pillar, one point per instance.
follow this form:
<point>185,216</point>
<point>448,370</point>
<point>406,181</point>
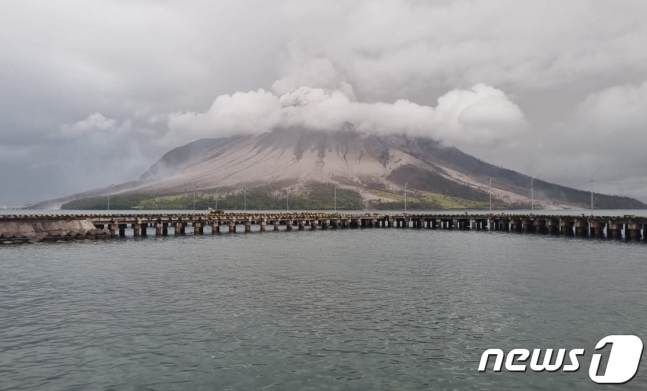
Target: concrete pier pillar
<point>335,223</point>
<point>614,230</point>
<point>276,224</point>
<point>527,225</point>
<point>183,228</point>
<point>178,229</point>
<point>215,227</point>
<point>566,227</point>
<point>165,229</point>
<point>634,230</point>
<point>263,225</point>
<point>197,228</point>
<point>390,222</point>
<point>112,227</point>
<point>597,228</point>
<point>158,229</point>
<point>122,230</point>
<point>313,224</point>
<point>232,226</point>
<point>137,230</point>
<point>248,225</point>
<point>302,225</point>
<point>406,222</point>
<point>288,225</point>
<point>325,224</point>
<point>581,227</point>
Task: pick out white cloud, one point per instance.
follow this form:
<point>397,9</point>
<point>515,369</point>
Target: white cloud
<point>381,64</point>
<point>480,115</point>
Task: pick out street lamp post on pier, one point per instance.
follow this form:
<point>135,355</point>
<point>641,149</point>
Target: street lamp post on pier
<point>109,189</point>
<point>335,192</point>
<point>405,196</point>
<point>593,173</point>
<point>532,193</point>
<point>490,194</point>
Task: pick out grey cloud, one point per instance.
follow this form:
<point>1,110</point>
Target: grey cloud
<point>571,68</point>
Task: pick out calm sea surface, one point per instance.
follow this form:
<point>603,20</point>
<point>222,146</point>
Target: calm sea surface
<point>360,309</point>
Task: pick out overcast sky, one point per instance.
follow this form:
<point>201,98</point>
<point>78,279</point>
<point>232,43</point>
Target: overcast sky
<point>93,92</point>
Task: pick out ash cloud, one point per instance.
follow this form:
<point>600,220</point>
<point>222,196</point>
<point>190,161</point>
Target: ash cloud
<point>94,92</point>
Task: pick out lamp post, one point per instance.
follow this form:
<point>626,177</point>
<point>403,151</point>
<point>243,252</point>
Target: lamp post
<point>109,188</point>
<point>405,196</point>
<point>490,194</point>
<point>593,173</point>
<point>335,192</point>
<point>532,193</point>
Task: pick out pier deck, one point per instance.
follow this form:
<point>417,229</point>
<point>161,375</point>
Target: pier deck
<point>163,224</point>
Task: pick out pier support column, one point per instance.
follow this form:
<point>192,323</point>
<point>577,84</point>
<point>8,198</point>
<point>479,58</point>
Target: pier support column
<point>276,224</point>
<point>178,229</point>
<point>112,227</point>
<point>137,230</point>
<point>634,230</point>
<point>406,222</point>
<point>122,230</point>
<point>390,222</point>
<point>614,230</point>
<point>165,229</point>
<point>197,228</point>
<point>248,225</point>
<point>335,223</point>
<point>581,227</point>
<point>263,225</point>
<point>183,228</point>
<point>552,226</point>
<point>302,225</point>
<point>566,226</point>
<point>288,225</point>
<point>232,226</point>
<point>313,225</point>
<point>526,225</point>
<point>215,227</point>
<point>597,228</point>
<point>158,229</point>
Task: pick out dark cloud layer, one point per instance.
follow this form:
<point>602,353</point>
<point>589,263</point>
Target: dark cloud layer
<point>93,92</point>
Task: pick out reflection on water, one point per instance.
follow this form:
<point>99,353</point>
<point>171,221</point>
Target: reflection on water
<point>338,309</point>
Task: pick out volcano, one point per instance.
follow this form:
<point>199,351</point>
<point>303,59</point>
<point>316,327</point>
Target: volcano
<point>375,167</point>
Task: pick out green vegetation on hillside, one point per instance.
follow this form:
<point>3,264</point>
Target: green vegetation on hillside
<point>317,196</point>
<point>425,200</point>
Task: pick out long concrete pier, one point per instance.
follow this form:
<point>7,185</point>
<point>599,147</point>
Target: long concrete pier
<point>141,225</point>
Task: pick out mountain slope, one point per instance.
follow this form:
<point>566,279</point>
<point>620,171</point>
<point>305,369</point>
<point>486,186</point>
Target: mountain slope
<point>353,160</point>
<point>375,168</point>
